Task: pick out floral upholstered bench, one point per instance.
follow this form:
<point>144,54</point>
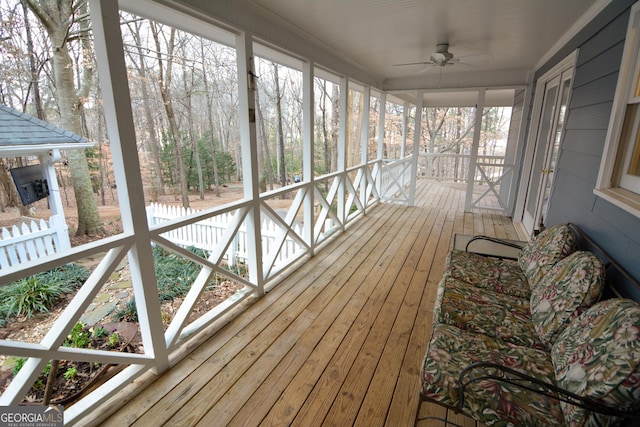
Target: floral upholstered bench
<point>528,342</point>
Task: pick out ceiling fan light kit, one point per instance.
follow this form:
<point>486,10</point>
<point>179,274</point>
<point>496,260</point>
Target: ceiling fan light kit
<point>441,56</point>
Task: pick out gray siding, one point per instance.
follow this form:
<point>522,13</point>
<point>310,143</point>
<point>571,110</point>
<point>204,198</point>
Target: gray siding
<point>572,200</point>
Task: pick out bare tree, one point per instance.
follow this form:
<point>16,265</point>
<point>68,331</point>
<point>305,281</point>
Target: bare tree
<point>355,106</point>
<point>141,66</point>
<point>164,80</point>
<point>60,18</point>
<point>335,123</point>
<point>33,68</point>
<point>280,135</point>
<point>188,90</point>
<point>209,101</point>
<point>324,126</point>
<point>7,187</point>
<point>264,152</point>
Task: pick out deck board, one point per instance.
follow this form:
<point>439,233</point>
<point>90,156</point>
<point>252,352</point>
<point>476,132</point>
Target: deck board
<point>338,342</point>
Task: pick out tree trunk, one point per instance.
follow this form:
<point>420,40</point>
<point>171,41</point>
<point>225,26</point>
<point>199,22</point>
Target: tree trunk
<point>12,199</point>
<point>150,123</point>
<point>216,178</point>
<point>165,92</point>
<point>192,138</point>
<point>335,123</point>
<point>264,153</point>
<point>325,135</point>
<point>35,81</point>
<point>283,166</point>
<point>57,18</point>
<point>260,139</point>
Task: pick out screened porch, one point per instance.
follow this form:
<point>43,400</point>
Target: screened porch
<point>337,342</point>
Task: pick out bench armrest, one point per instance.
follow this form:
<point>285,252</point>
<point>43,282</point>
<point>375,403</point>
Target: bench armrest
<point>489,246</point>
<point>489,370</point>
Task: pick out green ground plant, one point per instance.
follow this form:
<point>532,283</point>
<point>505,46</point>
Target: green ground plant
<point>38,293</point>
<point>73,372</point>
<point>174,275</point>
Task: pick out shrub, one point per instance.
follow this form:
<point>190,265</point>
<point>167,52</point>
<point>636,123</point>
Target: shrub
<point>38,293</point>
<point>174,275</point>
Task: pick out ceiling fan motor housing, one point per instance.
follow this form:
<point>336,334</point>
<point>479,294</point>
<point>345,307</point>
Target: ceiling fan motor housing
<point>442,55</point>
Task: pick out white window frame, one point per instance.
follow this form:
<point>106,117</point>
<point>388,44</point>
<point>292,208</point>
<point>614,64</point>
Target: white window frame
<point>613,184</point>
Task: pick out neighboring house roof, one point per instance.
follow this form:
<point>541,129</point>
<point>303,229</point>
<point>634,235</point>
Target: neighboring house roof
<point>22,134</point>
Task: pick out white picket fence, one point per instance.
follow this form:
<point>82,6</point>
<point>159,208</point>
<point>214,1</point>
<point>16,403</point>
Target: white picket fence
<point>206,234</point>
<point>32,239</point>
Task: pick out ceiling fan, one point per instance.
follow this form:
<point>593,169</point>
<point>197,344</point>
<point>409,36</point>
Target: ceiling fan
<point>440,58</point>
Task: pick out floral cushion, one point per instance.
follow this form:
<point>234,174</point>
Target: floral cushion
<point>452,349</point>
<point>598,356</point>
<point>571,286</point>
<point>545,250</point>
<point>486,272</point>
<point>481,311</point>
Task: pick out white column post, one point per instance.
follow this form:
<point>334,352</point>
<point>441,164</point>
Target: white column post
<point>55,201</point>
<point>381,135</point>
<point>405,128</point>
<point>364,135</point>
<point>415,154</point>
<point>105,20</point>
<point>342,147</point>
<point>249,147</point>
<point>381,124</point>
<point>308,149</point>
<point>473,158</point>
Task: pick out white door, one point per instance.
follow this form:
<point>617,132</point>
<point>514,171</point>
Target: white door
<point>551,110</point>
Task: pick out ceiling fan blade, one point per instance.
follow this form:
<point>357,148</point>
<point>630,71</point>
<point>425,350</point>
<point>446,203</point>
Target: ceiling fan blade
<point>412,63</point>
<point>424,70</point>
<point>478,57</point>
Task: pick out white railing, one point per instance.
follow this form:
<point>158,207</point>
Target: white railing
<point>267,239</point>
<point>490,173</point>
<point>395,179</point>
<point>208,233</point>
<point>455,167</point>
<point>31,240</point>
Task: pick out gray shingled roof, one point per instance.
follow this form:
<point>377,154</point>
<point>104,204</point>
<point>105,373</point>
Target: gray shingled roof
<point>23,133</point>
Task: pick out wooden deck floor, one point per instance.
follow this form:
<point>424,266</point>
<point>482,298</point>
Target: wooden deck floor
<point>338,342</point>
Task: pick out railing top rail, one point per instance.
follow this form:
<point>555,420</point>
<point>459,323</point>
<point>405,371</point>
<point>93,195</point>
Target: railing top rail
<point>18,272</point>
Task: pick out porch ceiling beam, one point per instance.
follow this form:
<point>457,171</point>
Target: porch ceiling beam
<point>448,79</point>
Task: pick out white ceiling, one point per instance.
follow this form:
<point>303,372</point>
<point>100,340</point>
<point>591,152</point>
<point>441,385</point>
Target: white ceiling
<point>365,38</point>
<point>507,37</point>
